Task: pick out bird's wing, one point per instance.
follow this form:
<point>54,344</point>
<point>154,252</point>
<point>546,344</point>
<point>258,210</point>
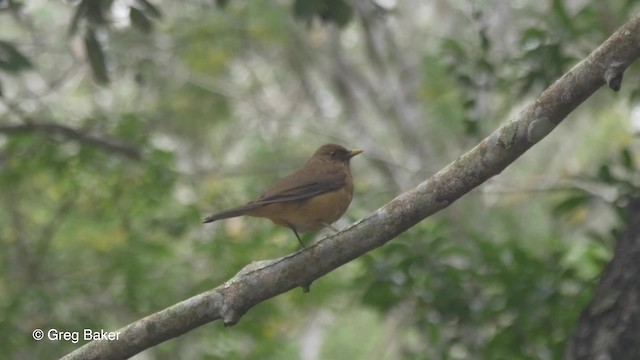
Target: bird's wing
<point>303,184</point>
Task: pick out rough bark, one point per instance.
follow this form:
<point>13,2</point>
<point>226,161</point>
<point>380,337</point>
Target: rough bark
<point>610,327</point>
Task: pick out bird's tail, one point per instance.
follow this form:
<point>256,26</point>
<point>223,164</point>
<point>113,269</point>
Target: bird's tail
<point>225,214</point>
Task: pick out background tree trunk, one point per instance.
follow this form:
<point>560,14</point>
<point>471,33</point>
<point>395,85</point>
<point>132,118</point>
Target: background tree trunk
<point>609,328</point>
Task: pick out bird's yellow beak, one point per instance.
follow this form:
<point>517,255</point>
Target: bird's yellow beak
<point>353,153</point>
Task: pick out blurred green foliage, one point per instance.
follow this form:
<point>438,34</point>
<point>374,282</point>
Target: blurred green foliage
<point>510,300</point>
<point>222,98</point>
<point>339,12</point>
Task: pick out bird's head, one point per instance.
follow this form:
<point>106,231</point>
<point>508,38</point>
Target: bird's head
<point>333,152</point>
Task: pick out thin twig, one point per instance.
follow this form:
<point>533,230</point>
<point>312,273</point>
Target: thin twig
<point>52,130</point>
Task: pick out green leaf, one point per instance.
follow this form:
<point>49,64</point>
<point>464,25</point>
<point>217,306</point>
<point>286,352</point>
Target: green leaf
<point>96,11</point>
<point>139,20</point>
<point>379,295</point>
<point>471,127</point>
<point>561,13</point>
<point>221,4</point>
<point>339,12</point>
<point>469,104</point>
<point>81,11</point>
<point>570,204</point>
<point>92,11</point>
<point>604,174</point>
<point>635,95</point>
<point>305,9</point>
<point>464,80</point>
<point>96,58</point>
<point>149,9</point>
<point>627,159</point>
<point>485,41</point>
<point>454,47</point>
<point>533,37</point>
<point>131,128</point>
<point>11,60</point>
<point>486,66</point>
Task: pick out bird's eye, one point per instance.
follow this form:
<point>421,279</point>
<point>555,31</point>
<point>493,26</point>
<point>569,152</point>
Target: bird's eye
<point>332,153</point>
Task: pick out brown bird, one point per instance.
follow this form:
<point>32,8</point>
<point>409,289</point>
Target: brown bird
<point>311,198</point>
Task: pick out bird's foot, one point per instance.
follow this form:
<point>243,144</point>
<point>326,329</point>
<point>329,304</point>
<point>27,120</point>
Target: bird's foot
<point>328,226</point>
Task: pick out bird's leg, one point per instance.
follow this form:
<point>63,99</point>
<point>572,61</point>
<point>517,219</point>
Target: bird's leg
<point>298,236</point>
<point>329,226</point>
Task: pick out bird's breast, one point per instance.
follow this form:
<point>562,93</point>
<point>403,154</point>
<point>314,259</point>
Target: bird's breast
<point>324,209</point>
<point>310,214</point>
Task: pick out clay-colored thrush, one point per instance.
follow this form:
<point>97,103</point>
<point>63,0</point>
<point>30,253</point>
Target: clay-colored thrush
<point>311,198</point>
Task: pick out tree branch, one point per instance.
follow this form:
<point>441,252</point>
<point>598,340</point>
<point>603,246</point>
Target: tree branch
<point>52,130</point>
<point>265,279</point>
